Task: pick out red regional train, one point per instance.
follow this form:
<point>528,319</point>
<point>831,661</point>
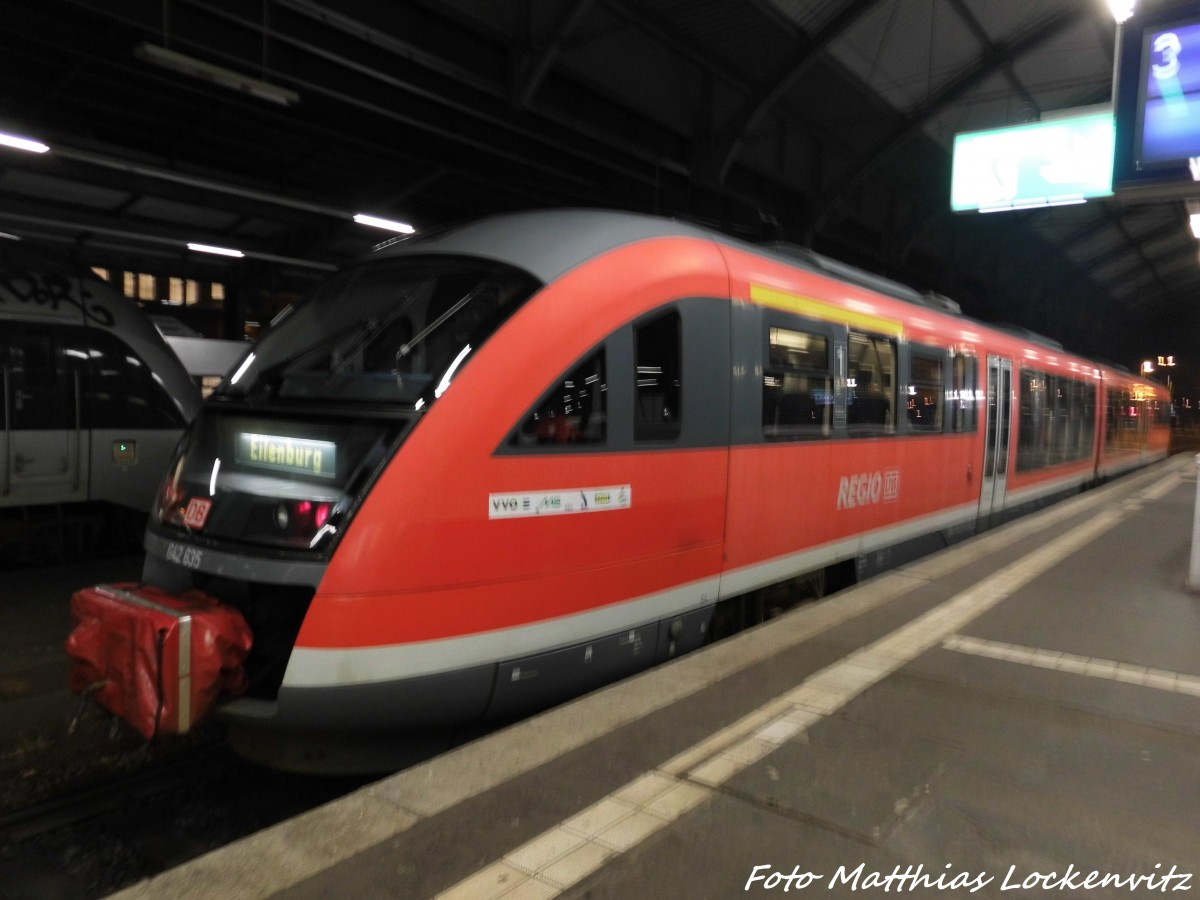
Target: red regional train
<point>494,467</point>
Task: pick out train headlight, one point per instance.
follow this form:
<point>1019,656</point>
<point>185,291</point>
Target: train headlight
<point>172,499</point>
<point>303,520</point>
<point>321,515</point>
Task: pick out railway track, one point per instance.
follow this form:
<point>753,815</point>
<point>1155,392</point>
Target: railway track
<point>97,798</point>
<point>97,835</point>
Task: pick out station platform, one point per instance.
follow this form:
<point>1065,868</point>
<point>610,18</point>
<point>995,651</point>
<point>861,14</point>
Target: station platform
<point>1018,715</point>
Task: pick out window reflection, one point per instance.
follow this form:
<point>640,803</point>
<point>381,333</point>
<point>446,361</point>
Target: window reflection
<point>797,385</point>
<point>574,412</point>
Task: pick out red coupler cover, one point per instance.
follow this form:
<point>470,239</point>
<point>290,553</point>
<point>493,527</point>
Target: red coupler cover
<point>161,660</point>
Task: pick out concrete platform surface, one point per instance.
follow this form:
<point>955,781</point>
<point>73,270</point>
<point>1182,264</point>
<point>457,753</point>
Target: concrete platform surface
<point>1016,716</point>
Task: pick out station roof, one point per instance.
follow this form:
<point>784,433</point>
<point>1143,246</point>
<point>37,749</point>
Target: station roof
<point>827,123</point>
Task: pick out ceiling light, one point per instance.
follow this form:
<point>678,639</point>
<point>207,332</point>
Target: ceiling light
<point>220,251</point>
<point>1194,221</point>
<point>22,143</point>
<point>1121,9</point>
<point>197,68</point>
<point>389,224</point>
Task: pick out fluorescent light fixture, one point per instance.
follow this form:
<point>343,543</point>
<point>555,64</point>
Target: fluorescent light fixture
<point>220,251</point>
<point>22,143</point>
<point>389,224</point>
<point>1122,10</point>
<point>227,78</point>
<point>1194,221</point>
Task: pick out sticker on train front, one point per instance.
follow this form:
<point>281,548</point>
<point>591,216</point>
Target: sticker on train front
<point>554,503</point>
<point>197,512</point>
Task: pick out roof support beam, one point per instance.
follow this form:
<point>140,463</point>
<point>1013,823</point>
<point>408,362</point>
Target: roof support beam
<point>1142,263</point>
<point>997,56</point>
<point>1136,247</point>
<point>534,74</point>
<point>972,23</point>
<point>807,50</point>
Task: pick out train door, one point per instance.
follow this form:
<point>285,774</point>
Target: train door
<point>43,443</point>
<point>996,446</point>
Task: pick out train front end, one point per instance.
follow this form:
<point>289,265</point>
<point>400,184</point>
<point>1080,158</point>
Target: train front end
<point>265,487</point>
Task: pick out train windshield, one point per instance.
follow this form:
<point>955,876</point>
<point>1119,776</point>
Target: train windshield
<point>392,332</point>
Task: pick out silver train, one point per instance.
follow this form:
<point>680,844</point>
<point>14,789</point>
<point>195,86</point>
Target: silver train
<point>92,401</point>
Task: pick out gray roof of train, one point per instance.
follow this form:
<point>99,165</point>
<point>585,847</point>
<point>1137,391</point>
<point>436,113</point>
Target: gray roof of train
<point>534,241</point>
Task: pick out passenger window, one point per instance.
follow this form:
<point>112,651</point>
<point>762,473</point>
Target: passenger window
<point>1163,412</point>
<point>658,408</point>
<point>797,385</point>
<point>964,405</point>
<point>1122,423</point>
<point>41,388</point>
<point>575,411</point>
<point>38,360</point>
<point>1036,422</point>
<point>1058,416</point>
<point>120,390</point>
<point>926,391</point>
<point>871,385</point>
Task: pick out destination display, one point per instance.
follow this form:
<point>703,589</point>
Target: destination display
<point>299,456</point>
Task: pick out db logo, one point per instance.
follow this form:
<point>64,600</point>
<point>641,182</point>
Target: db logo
<point>869,487</point>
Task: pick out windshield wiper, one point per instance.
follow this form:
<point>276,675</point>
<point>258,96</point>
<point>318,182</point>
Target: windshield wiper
<point>372,327</point>
<point>408,348</point>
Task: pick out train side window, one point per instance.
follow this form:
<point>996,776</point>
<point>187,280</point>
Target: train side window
<point>573,412</point>
<point>1063,417</point>
<point>1036,421</point>
<point>1085,423</point>
<point>797,385</point>
<point>963,395</point>
<point>1057,418</point>
<point>38,363</point>
<point>120,390</point>
<point>871,385</point>
<point>658,406</point>
<point>926,390</point>
<point>1126,421</point>
<point>1115,427</point>
<point>1162,412</point>
<point>40,384</point>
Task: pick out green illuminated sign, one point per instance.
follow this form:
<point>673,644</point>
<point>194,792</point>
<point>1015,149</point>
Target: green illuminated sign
<point>1049,163</point>
<point>287,454</point>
